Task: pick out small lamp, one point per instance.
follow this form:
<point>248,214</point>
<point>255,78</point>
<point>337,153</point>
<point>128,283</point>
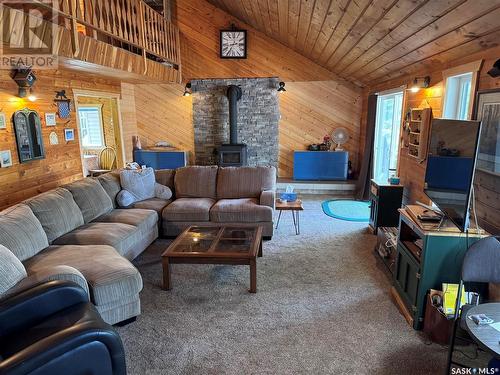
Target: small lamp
<point>282,87</point>
<point>187,89</point>
<point>25,79</point>
<point>32,97</point>
<point>420,82</point>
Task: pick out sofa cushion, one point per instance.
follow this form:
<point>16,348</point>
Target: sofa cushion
<point>188,209</point>
<point>166,177</point>
<point>196,182</point>
<point>91,197</point>
<point>21,232</point>
<point>244,182</point>
<point>145,220</point>
<point>111,184</point>
<point>57,212</point>
<point>110,276</point>
<point>11,270</point>
<point>121,236</point>
<point>243,210</point>
<point>155,204</point>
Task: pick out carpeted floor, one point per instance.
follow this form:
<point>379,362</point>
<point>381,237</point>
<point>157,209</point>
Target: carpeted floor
<point>322,307</point>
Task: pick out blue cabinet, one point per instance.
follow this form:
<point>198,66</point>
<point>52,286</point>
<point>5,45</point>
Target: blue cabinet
<point>320,165</point>
<point>161,159</point>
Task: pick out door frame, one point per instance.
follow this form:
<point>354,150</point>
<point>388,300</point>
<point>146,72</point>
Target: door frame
<point>99,94</point>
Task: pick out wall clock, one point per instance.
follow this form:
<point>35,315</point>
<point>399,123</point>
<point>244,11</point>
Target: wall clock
<point>233,44</point>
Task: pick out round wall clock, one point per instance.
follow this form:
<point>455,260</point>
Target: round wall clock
<point>233,44</point>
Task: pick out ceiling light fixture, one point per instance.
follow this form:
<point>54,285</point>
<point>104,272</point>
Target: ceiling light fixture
<point>187,90</point>
<point>282,87</point>
<point>419,83</point>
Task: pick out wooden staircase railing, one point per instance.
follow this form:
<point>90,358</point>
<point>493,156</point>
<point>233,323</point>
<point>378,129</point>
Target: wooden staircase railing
<point>132,22</point>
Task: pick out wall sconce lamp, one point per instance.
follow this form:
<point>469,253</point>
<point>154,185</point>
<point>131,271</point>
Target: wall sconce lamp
<point>25,79</point>
<point>32,97</point>
<point>282,87</point>
<point>495,70</point>
<point>420,82</point>
<point>187,90</point>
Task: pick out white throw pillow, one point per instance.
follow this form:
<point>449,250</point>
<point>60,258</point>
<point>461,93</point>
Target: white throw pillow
<point>11,270</point>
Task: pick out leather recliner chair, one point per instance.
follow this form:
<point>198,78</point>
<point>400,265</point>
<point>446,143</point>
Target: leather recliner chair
<point>54,329</point>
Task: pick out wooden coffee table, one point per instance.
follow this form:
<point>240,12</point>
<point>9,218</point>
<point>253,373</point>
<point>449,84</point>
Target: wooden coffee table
<point>295,207</point>
<point>227,244</point>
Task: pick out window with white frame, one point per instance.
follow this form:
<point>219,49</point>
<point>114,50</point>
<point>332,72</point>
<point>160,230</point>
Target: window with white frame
<point>459,90</point>
<point>91,129</point>
<point>457,97</point>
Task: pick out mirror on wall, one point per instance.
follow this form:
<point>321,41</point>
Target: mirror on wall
<point>28,129</point>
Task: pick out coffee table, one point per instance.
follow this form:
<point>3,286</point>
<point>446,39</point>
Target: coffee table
<point>295,207</point>
<point>225,244</point>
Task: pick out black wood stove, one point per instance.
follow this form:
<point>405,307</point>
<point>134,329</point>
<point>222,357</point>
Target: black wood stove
<point>233,154</point>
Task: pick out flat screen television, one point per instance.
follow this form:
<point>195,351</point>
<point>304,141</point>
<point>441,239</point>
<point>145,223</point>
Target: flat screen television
<point>451,161</point>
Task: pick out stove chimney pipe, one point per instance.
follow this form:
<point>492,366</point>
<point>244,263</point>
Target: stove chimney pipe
<point>233,94</point>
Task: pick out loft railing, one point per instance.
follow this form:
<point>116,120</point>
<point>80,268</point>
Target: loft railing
<point>131,22</point>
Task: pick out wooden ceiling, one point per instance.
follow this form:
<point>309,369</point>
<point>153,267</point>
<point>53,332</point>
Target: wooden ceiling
<point>368,41</point>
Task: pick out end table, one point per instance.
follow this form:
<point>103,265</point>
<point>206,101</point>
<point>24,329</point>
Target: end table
<point>295,207</point>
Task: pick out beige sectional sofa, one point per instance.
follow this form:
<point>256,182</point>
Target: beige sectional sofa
<point>77,232</point>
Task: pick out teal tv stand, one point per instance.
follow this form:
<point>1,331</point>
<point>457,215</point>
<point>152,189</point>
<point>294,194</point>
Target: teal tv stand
<point>425,259</point>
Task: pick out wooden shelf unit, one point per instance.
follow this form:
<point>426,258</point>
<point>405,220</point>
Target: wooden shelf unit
<point>418,125</point>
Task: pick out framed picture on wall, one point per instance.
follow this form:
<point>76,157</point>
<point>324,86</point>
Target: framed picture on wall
<point>50,119</point>
<point>3,122</point>
<point>5,159</point>
<point>487,173</point>
<point>487,110</point>
<point>69,135</point>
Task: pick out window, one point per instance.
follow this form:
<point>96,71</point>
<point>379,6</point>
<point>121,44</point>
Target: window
<point>458,96</point>
<point>459,85</point>
<point>387,128</point>
<point>91,132</point>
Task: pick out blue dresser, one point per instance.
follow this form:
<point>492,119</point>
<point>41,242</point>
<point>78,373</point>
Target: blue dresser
<point>161,159</point>
<point>320,165</point>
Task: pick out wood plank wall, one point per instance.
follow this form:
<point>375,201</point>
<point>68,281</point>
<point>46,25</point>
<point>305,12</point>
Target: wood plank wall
<point>128,119</point>
<point>315,103</point>
<point>200,22</point>
<point>62,163</point>
<point>311,110</point>
<point>163,114</point>
<point>412,172</point>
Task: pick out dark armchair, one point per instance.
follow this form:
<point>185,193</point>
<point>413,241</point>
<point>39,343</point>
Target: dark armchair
<point>54,329</point>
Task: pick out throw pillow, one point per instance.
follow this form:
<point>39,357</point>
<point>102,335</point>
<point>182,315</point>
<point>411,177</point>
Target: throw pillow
<point>162,192</point>
<point>139,185</point>
<point>125,198</point>
<point>11,270</point>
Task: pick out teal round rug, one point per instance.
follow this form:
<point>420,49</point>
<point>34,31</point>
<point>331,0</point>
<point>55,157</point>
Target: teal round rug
<point>347,209</point>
